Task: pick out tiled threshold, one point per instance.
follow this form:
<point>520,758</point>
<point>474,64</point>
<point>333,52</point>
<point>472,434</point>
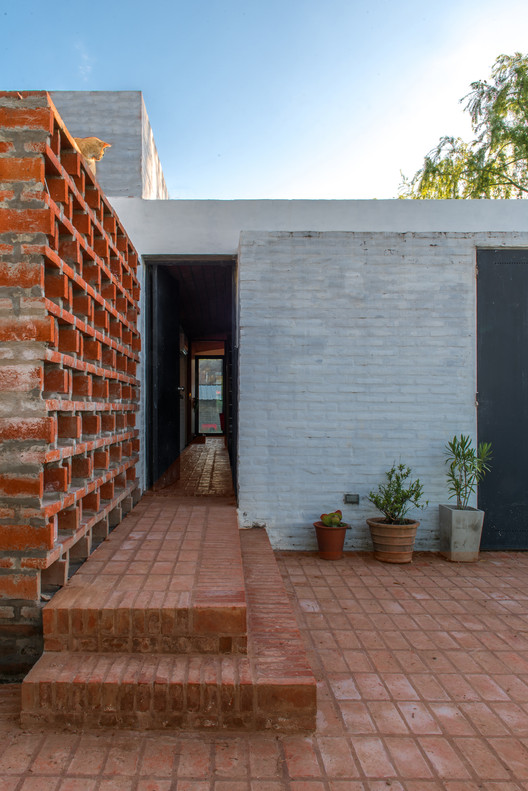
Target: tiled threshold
<point>178,620</point>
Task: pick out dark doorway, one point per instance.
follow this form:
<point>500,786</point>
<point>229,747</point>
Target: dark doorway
<point>188,302</point>
<point>502,370</point>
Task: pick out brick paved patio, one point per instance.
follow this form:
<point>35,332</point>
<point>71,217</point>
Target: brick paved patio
<point>423,686</point>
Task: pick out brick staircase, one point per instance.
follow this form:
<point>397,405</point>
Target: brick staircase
<point>177,620</point>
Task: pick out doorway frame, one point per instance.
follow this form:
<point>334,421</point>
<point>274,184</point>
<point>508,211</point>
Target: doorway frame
<point>150,261</point>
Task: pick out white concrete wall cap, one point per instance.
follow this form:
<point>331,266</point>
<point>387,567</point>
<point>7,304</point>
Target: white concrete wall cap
<point>213,227</point>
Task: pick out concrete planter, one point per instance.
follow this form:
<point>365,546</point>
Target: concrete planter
<point>460,532</point>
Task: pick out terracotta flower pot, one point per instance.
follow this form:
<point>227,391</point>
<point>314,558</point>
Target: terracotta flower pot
<point>393,543</point>
<point>330,540</point>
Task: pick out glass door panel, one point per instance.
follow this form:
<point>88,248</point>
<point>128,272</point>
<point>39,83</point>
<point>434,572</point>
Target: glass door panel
<point>210,406</point>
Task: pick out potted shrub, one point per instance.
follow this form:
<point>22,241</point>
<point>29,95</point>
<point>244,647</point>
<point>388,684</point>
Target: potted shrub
<point>330,532</point>
<point>393,534</point>
<point>460,524</point>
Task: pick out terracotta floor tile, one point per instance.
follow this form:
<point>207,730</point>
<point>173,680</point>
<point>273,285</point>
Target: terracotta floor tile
<point>159,758</point>
<point>387,718</point>
<point>264,756</point>
<point>429,688</point>
<point>458,687</point>
<point>487,688</point>
<point>490,662</point>
<point>40,783</point>
<point>399,686</point>
<point>337,758</point>
<point>301,758</point>
<point>344,688</point>
<point>484,719</point>
<point>464,662</point>
<point>407,757</point>
<point>357,717</point>
<point>373,757</point>
<point>395,641</point>
<point>419,718</point>
<point>371,639</point>
<point>382,785</point>
<point>476,751</point>
<point>443,757</point>
<point>328,720</point>
<point>514,754</point>
<point>16,753</point>
<point>332,662</point>
<point>382,661</point>
<point>451,719</point>
<point>516,662</point>
<point>90,755</point>
<point>55,754</point>
<point>85,784</point>
<point>347,640</point>
<point>123,756</point>
<point>358,661</point>
<point>195,760</point>
<point>513,717</point>
<point>267,785</point>
<point>514,687</point>
<point>371,686</point>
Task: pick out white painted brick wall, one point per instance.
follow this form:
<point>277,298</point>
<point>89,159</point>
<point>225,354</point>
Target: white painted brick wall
<point>356,350</point>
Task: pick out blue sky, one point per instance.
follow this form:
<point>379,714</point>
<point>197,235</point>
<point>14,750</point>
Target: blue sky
<point>272,98</point>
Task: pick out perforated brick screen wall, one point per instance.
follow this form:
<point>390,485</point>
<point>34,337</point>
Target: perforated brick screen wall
<point>69,350</point>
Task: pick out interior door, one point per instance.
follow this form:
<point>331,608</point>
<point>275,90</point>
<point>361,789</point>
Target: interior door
<point>502,351</point>
<point>163,363</point>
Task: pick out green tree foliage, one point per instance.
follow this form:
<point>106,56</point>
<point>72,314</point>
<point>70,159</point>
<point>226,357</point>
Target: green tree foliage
<point>495,163</point>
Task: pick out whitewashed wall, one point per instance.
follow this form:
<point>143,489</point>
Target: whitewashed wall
<point>356,350</point>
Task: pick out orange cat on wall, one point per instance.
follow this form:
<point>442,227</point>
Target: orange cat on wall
<point>92,149</point>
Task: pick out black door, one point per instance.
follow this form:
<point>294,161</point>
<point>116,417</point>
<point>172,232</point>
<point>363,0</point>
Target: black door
<point>502,352</point>
<point>163,375</point>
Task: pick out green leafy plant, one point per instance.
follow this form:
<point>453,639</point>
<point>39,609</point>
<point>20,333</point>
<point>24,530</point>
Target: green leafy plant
<point>397,495</point>
<point>495,163</point>
<point>333,519</point>
<point>467,467</point>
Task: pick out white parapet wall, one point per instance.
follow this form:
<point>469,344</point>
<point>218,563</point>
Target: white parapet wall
<point>212,227</point>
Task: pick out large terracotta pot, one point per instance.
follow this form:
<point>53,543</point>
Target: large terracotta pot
<point>393,543</point>
<point>330,540</point>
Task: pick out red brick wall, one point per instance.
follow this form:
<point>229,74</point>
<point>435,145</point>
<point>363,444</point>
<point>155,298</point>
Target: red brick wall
<point>68,355</point>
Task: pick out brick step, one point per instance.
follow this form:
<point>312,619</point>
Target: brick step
<point>152,691</point>
<point>169,579</point>
<point>272,688</point>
